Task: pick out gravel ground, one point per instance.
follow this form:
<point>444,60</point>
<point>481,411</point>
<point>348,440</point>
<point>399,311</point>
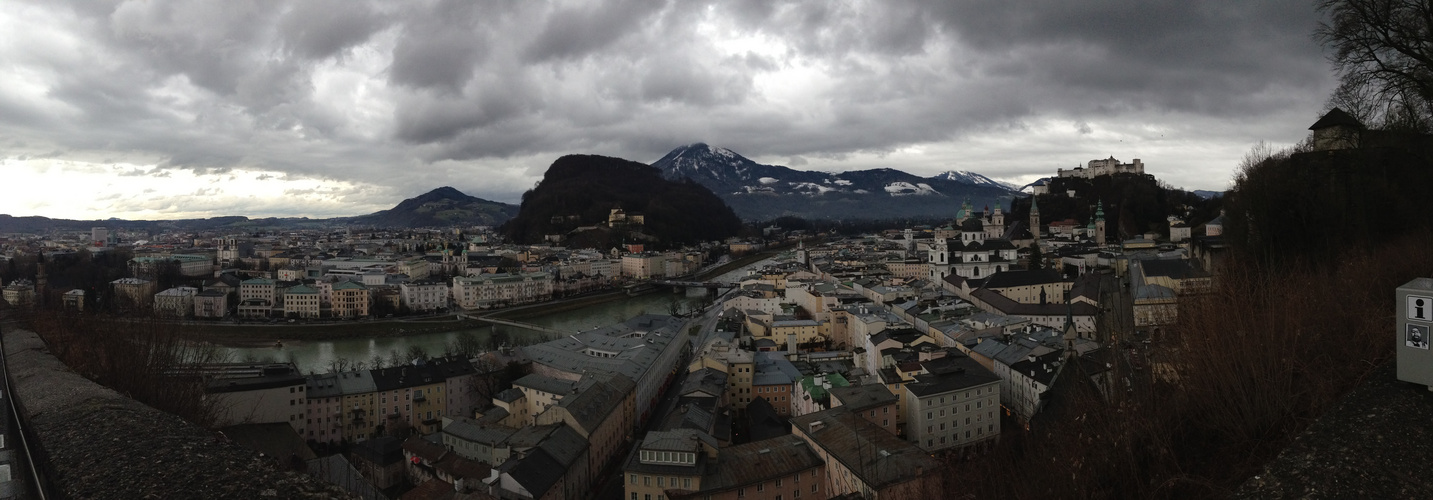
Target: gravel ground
<point>1377,443</point>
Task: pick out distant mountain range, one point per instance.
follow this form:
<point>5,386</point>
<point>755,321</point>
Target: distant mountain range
<point>763,192</point>
<point>442,207</point>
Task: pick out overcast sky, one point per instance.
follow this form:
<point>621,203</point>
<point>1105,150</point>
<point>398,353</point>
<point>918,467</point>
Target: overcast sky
<point>161,110</point>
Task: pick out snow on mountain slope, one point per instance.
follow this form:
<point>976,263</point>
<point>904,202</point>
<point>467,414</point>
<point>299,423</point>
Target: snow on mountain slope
<point>907,189</point>
<point>759,191</point>
<point>972,178</point>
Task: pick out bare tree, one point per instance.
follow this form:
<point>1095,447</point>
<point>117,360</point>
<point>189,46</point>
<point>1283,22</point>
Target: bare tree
<point>1383,50</point>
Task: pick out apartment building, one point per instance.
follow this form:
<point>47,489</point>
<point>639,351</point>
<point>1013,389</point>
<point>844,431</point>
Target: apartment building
<point>350,300</point>
<point>953,403</point>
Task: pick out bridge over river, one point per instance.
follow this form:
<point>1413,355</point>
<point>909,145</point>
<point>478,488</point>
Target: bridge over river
<point>517,324</point>
<point>696,284</point>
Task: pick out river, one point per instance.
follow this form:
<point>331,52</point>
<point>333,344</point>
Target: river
<point>320,355</point>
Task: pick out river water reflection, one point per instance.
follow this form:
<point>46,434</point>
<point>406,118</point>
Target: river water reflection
<point>318,356</point>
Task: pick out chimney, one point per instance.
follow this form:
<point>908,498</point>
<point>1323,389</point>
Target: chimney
<point>815,426</point>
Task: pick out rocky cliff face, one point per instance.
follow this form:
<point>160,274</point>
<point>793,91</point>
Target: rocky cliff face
<point>578,193</point>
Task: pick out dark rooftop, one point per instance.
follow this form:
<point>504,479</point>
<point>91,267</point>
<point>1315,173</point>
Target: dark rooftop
<point>1334,118</point>
<point>860,397</point>
<point>951,373</point>
<point>758,461</point>
<point>876,456</point>
<point>1006,279</point>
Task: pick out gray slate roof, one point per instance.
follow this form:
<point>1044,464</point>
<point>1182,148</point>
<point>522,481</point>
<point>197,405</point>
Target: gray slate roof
<point>873,454</point>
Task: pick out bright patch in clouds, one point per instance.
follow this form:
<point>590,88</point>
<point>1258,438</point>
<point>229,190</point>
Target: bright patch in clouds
<point>129,191</point>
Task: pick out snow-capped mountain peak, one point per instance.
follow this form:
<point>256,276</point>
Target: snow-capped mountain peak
<point>972,178</point>
<point>756,190</point>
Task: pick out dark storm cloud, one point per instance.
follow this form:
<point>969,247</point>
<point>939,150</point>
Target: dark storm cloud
<point>572,32</point>
<point>320,29</point>
<point>439,48</point>
<point>486,93</point>
<point>1208,57</point>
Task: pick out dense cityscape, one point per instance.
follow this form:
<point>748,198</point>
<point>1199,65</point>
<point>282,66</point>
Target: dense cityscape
<point>365,250</point>
<point>836,366</point>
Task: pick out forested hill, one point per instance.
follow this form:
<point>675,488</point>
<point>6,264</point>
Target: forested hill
<point>1134,203</point>
<point>578,192</point>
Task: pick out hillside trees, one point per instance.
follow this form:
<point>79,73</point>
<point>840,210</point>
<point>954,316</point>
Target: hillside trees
<point>579,191</point>
<point>1383,51</point>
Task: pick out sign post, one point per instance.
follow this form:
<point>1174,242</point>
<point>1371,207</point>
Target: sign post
<point>1415,325</point>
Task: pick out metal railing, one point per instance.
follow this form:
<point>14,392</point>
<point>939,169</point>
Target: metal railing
<point>38,485</point>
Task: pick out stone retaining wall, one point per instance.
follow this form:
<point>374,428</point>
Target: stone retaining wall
<point>98,444</point>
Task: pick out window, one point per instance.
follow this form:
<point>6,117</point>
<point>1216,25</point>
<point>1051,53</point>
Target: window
<point>646,480</point>
<point>687,483</point>
<point>634,495</point>
<point>778,482</point>
<point>813,488</point>
<point>660,483</point>
<point>760,486</point>
<point>741,492</point>
<point>634,480</point>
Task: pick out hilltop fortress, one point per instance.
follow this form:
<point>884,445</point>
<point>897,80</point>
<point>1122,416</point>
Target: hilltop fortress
<point>1108,166</point>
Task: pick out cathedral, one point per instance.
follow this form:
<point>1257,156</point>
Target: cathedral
<point>975,245</point>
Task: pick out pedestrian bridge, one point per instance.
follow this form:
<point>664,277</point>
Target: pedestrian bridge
<point>518,324</point>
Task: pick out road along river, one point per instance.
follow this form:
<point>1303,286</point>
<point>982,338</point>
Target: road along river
<point>318,356</point>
